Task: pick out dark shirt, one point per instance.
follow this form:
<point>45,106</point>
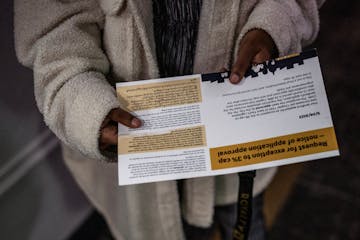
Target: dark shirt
<point>175,28</point>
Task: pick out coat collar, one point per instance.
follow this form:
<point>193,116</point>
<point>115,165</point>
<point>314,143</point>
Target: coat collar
<point>143,19</point>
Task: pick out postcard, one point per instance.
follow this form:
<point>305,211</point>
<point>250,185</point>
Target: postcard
<point>203,125</point>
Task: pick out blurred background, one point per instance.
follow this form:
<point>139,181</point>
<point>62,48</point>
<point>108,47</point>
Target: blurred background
<point>313,200</point>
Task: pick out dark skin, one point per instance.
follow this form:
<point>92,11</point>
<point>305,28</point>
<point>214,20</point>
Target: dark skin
<point>256,47</point>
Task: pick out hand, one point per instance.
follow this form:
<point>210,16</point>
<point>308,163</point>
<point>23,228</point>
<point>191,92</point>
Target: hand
<point>109,128</point>
<point>256,47</point>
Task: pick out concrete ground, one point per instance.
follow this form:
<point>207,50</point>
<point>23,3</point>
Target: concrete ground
<point>324,200</point>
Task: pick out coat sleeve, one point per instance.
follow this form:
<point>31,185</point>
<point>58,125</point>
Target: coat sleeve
<point>61,41</point>
<point>291,23</point>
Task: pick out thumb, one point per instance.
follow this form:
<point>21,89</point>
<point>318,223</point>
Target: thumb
<point>125,118</point>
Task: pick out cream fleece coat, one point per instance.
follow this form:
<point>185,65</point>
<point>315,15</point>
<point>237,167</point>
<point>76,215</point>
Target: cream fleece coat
<point>78,49</point>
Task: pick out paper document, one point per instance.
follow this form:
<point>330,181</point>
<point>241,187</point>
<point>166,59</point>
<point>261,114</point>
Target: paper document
<point>202,125</point>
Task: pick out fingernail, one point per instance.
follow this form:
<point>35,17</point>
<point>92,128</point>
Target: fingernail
<point>135,122</point>
<point>234,78</point>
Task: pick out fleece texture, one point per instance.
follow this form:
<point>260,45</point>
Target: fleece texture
<point>78,49</point>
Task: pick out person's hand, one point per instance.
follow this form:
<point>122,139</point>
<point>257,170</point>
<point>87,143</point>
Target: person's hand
<point>109,128</point>
<point>256,47</point>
